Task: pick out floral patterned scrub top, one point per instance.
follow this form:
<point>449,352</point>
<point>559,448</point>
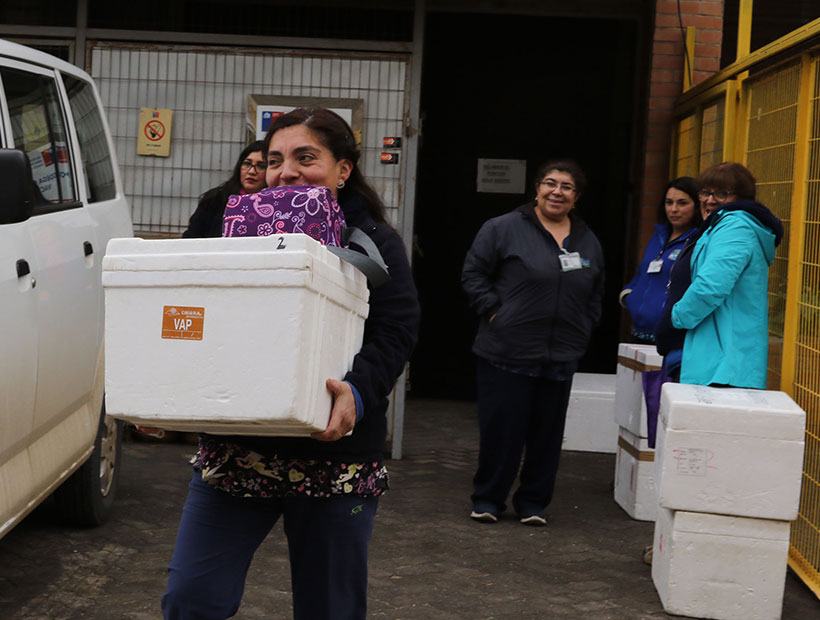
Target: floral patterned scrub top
<point>241,472</point>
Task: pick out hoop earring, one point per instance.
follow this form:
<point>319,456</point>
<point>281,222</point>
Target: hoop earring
<point>340,184</point>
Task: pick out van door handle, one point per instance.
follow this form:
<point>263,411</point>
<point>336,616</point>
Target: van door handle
<point>22,268</point>
<point>88,249</point>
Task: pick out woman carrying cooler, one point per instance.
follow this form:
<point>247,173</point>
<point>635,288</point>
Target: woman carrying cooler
<point>325,487</point>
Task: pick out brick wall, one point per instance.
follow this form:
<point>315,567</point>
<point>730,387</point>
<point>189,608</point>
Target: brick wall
<point>665,84</point>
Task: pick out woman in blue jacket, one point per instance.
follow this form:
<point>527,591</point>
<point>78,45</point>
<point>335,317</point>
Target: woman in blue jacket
<point>645,294</point>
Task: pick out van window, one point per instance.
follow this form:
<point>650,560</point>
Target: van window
<point>38,129</point>
<point>96,158</point>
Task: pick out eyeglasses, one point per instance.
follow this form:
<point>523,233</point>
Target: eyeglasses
<point>260,166</point>
<point>565,188</point>
<point>719,195</point>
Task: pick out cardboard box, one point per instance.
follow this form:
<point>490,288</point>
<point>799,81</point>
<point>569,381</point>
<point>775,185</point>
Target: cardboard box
<point>635,476</point>
<point>630,407</point>
<point>729,451</point>
<point>230,336</point>
<point>714,566</point>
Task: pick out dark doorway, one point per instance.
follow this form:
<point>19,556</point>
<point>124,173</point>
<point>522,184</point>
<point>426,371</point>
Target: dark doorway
<point>515,87</point>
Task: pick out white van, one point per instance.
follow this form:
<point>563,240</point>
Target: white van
<point>61,201</point>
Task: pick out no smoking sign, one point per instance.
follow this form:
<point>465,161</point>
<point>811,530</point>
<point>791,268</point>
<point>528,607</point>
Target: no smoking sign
<point>154,130</point>
<point>155,135</point>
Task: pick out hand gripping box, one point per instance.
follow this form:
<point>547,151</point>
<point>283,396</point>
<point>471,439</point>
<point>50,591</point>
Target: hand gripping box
<point>729,451</point>
<point>715,566</point>
<point>230,336</point>
<point>630,407</point>
<point>635,476</point>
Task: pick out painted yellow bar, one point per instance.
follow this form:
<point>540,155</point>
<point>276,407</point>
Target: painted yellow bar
<point>689,60</point>
<point>804,570</point>
<point>744,29</point>
<point>730,121</point>
<point>697,134</point>
<point>797,227</point>
<point>783,44</point>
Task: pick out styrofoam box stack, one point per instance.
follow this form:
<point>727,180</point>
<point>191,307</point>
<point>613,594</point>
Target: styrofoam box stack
<point>634,471</point>
<point>728,472</point>
<point>714,566</point>
<point>230,336</point>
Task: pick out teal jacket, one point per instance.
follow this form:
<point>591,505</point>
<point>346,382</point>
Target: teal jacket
<point>725,309</point>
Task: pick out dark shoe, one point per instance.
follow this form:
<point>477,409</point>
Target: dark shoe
<point>483,517</point>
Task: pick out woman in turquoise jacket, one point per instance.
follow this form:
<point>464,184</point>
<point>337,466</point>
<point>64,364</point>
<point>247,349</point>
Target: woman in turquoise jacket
<point>725,309</point>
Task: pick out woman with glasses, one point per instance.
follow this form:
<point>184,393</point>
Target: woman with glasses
<point>645,295</point>
<point>248,177</point>
<point>535,277</point>
<point>719,294</point>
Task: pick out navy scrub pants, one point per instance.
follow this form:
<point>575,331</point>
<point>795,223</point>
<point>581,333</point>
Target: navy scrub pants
<point>219,533</point>
<point>518,415</point>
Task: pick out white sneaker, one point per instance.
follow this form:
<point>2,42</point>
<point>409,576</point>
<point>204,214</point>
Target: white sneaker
<point>537,520</point>
<point>484,517</point>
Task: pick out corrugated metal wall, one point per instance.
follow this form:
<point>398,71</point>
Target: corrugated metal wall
<point>207,89</point>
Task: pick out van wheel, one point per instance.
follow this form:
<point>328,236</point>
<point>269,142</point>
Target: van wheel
<point>87,497</point>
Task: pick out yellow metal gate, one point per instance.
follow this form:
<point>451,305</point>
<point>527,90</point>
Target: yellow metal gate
<point>766,114</point>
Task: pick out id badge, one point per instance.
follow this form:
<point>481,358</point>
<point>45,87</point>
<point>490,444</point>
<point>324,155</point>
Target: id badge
<point>655,266</point>
<point>570,261</point>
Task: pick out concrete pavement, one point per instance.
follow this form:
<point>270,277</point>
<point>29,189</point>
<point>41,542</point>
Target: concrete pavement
<point>428,559</point>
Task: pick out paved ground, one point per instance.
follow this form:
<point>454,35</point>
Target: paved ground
<point>428,560</point>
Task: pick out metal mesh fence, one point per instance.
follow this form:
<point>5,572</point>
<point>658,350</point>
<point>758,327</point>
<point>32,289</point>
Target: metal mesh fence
<point>781,121</point>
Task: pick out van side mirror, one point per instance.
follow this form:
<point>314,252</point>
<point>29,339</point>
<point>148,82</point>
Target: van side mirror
<point>16,187</point>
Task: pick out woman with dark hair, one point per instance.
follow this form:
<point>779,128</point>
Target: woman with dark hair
<point>325,487</point>
<point>645,295</point>
<point>535,277</point>
<point>719,296</point>
<point>248,177</point>
<point>714,328</point>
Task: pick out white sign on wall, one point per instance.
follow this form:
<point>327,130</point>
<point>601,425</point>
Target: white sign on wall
<point>501,176</point>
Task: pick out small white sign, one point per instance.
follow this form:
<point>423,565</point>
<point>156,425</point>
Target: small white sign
<point>501,176</point>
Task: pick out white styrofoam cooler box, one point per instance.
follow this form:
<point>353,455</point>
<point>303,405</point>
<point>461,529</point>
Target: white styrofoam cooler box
<point>635,476</point>
<point>630,407</point>
<point>589,424</point>
<point>729,451</point>
<point>715,566</point>
<point>232,335</point>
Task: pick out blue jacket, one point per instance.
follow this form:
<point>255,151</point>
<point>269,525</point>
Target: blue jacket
<point>648,290</point>
<point>725,309</point>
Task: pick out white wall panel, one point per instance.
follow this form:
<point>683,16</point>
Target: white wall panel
<point>207,90</point>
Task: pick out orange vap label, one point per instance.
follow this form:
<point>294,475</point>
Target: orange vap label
<point>183,322</point>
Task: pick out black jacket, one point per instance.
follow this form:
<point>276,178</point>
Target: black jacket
<point>206,221</point>
<point>542,313</point>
